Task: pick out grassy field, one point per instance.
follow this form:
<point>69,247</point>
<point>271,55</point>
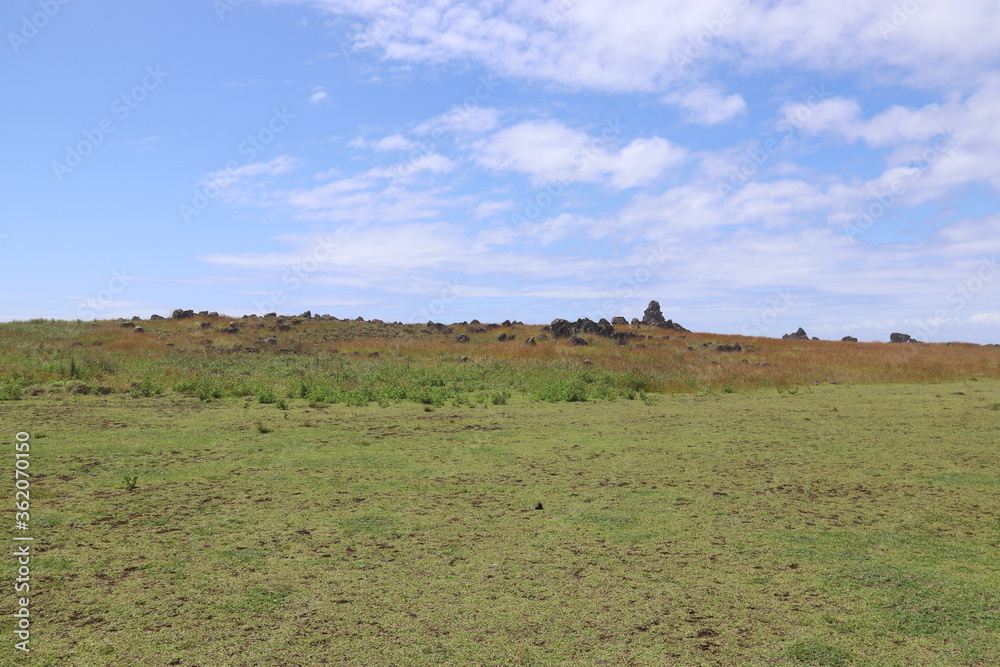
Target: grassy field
<point>356,494</point>
<point>836,525</point>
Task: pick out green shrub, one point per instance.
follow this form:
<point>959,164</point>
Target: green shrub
<point>267,396</point>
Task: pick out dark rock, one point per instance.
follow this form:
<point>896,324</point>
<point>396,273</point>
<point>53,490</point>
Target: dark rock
<point>475,322</point>
<point>730,348</point>
<point>463,358</point>
<point>271,315</point>
<point>604,322</point>
<point>576,340</point>
<point>539,506</point>
<point>849,339</point>
<point>652,315</point>
<point>373,355</point>
<point>461,338</point>
<point>815,337</point>
<point>475,330</point>
<point>206,325</point>
<point>636,322</point>
<point>139,330</point>
<point>284,327</point>
<point>899,338</point>
<point>306,315</point>
<point>203,313</point>
<point>213,314</point>
<point>506,323</point>
<point>530,341</point>
<point>156,317</point>
<point>128,325</point>
<point>180,314</point>
<point>271,341</point>
<point>561,328</point>
<point>618,319</point>
<point>505,337</point>
<point>798,335</point>
<point>136,318</point>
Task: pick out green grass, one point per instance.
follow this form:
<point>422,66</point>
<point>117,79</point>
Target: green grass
<point>847,525</point>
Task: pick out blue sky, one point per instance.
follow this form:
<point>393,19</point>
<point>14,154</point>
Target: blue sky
<point>753,166</point>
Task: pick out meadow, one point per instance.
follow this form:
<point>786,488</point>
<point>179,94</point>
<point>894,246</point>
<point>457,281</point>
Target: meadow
<point>821,503</point>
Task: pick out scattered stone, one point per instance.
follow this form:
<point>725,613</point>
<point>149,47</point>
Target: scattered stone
<point>730,348</point>
<point>213,314</point>
<point>128,325</point>
<point>505,337</point>
<point>587,362</point>
<point>180,314</point>
<point>461,338</point>
<point>139,330</point>
<point>530,341</point>
<point>576,340</point>
<point>618,319</point>
<point>463,358</point>
<point>271,315</point>
<point>506,323</point>
<point>539,506</point>
<point>561,328</point>
<point>798,335</point>
<point>271,341</point>
<point>206,325</point>
<point>849,339</point>
<point>136,318</point>
<point>306,315</point>
<point>899,338</point>
<point>636,322</point>
<point>373,355</point>
<point>203,313</point>
<point>154,316</point>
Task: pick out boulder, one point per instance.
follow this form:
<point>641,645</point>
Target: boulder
<point>635,321</point>
<point>139,330</point>
<point>505,337</point>
<point>849,339</point>
<point>618,319</point>
<point>128,325</point>
<point>156,317</point>
<point>530,341</point>
<point>653,316</point>
<point>561,328</point>
<point>461,338</point>
<point>206,325</point>
<point>899,338</point>
<point>306,315</point>
<point>729,348</point>
<point>798,335</point>
<point>180,314</point>
<point>576,340</point>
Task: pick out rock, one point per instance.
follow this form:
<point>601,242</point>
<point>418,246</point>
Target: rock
<point>506,323</point>
<point>203,313</point>
<point>206,325</point>
<point>604,322</point>
<point>139,330</point>
<point>306,315</point>
<point>576,340</point>
<point>849,339</point>
<point>213,314</point>
<point>798,335</point>
<point>461,338</point>
<point>373,355</point>
<point>561,328</point>
<point>587,362</point>
<point>729,348</point>
<point>899,338</point>
<point>271,341</point>
<point>136,318</point>
<point>530,341</point>
<point>505,337</point>
<point>475,322</point>
<point>180,314</point>
<point>128,325</point>
<point>652,315</point>
<point>463,358</point>
<point>618,319</point>
<point>156,317</point>
<point>636,322</point>
<point>284,327</point>
<point>271,315</point>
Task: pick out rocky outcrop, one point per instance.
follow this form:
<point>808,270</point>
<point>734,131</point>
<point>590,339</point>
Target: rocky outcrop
<point>899,338</point>
<point>798,335</point>
<point>849,339</point>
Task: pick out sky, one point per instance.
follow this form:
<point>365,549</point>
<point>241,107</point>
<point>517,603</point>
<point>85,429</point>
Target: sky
<point>755,167</point>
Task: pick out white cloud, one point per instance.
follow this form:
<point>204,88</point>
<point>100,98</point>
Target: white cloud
<point>549,151</point>
<point>707,106</point>
<point>318,96</point>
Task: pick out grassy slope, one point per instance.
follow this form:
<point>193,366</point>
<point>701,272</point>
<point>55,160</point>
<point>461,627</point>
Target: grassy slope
<point>841,525</point>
